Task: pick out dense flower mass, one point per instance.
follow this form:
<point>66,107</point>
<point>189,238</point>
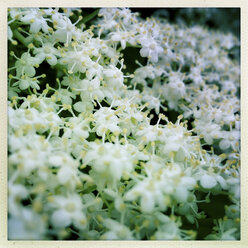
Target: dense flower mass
<point>104,145</point>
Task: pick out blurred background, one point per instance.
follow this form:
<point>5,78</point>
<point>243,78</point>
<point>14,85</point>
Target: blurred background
<point>223,19</point>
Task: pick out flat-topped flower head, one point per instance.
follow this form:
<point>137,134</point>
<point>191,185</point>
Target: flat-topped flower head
<point>122,128</point>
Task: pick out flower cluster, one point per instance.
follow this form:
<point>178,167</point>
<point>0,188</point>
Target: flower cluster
<point>99,149</point>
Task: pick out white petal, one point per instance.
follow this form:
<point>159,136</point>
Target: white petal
<point>56,160</point>
<point>52,60</point>
<point>208,139</point>
<point>224,144</point>
<point>147,203</point>
<point>181,194</point>
<point>222,182</point>
<point>79,106</point>
<point>24,84</point>
<point>65,174</point>
<point>61,218</point>
<point>29,70</point>
<point>144,52</point>
<point>188,182</point>
<point>208,182</point>
<point>35,27</point>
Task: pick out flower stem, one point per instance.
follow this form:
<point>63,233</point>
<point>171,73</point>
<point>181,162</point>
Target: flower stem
<point>90,16</point>
<point>21,38</point>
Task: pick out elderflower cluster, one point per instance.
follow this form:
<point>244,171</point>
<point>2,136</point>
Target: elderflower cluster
<point>101,147</point>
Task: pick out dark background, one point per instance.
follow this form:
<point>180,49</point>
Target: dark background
<point>222,19</point>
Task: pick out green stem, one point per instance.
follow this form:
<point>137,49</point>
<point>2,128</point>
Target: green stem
<point>88,190</point>
<point>30,92</point>
<point>130,137</point>
<point>74,231</point>
<point>107,204</point>
<point>134,46</point>
<point>106,101</point>
<point>21,38</point>
<point>90,16</point>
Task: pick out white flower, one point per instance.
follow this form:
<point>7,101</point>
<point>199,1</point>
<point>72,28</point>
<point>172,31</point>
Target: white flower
<point>25,82</point>
<point>117,231</point>
<point>84,106</point>
<point>123,37</point>
<point>60,159</point>
<point>25,65</point>
<point>90,89</point>
<point>65,29</point>
<point>67,174</point>
<point>65,96</point>
<point>76,61</point>
<point>27,226</point>
<point>168,231</point>
<point>230,139</point>
<point>106,119</point>
<point>111,161</point>
<point>208,130</point>
<point>150,48</point>
<point>36,20</point>
<point>113,77</point>
<point>154,102</point>
<point>16,193</point>
<point>47,52</point>
<point>29,158</point>
<point>68,210</point>
<point>153,189</point>
<point>174,90</point>
<point>208,182</point>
